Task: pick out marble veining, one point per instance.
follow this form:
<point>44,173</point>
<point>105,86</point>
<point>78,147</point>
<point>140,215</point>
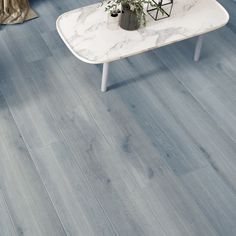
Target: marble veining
<point>86,33</point>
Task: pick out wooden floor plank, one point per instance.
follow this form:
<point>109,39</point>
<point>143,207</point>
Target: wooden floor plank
<point>6,224</point>
<point>27,108</point>
<point>26,44</point>
<point>76,205</point>
<point>29,205</point>
<point>214,198</point>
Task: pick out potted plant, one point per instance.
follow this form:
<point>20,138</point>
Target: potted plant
<point>132,12</point>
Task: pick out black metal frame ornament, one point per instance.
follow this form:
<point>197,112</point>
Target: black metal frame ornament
<point>166,7</point>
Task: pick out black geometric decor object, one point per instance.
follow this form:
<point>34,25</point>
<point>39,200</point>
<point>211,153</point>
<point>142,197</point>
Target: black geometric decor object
<point>157,14</point>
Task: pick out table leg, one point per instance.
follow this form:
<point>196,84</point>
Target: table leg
<point>105,76</point>
<point>198,48</point>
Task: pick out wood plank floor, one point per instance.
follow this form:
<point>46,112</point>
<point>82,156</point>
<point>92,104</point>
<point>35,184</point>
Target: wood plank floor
<point>155,155</point>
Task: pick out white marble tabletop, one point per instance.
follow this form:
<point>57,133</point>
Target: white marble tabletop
<point>86,33</point>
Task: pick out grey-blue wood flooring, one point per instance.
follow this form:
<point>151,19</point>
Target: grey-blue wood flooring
<point>155,155</point>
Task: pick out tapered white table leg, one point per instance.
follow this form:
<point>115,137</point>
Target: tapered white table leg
<point>105,76</point>
<point>198,48</point>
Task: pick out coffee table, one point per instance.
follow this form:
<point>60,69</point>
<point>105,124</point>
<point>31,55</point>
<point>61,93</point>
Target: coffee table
<point>86,33</point>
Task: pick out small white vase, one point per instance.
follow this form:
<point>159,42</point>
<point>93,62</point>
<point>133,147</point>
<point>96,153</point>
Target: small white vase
<point>113,21</point>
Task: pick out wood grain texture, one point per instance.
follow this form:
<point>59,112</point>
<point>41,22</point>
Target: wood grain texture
<point>27,201</point>
<point>6,224</point>
<point>77,207</point>
<point>207,187</point>
<point>155,155</point>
